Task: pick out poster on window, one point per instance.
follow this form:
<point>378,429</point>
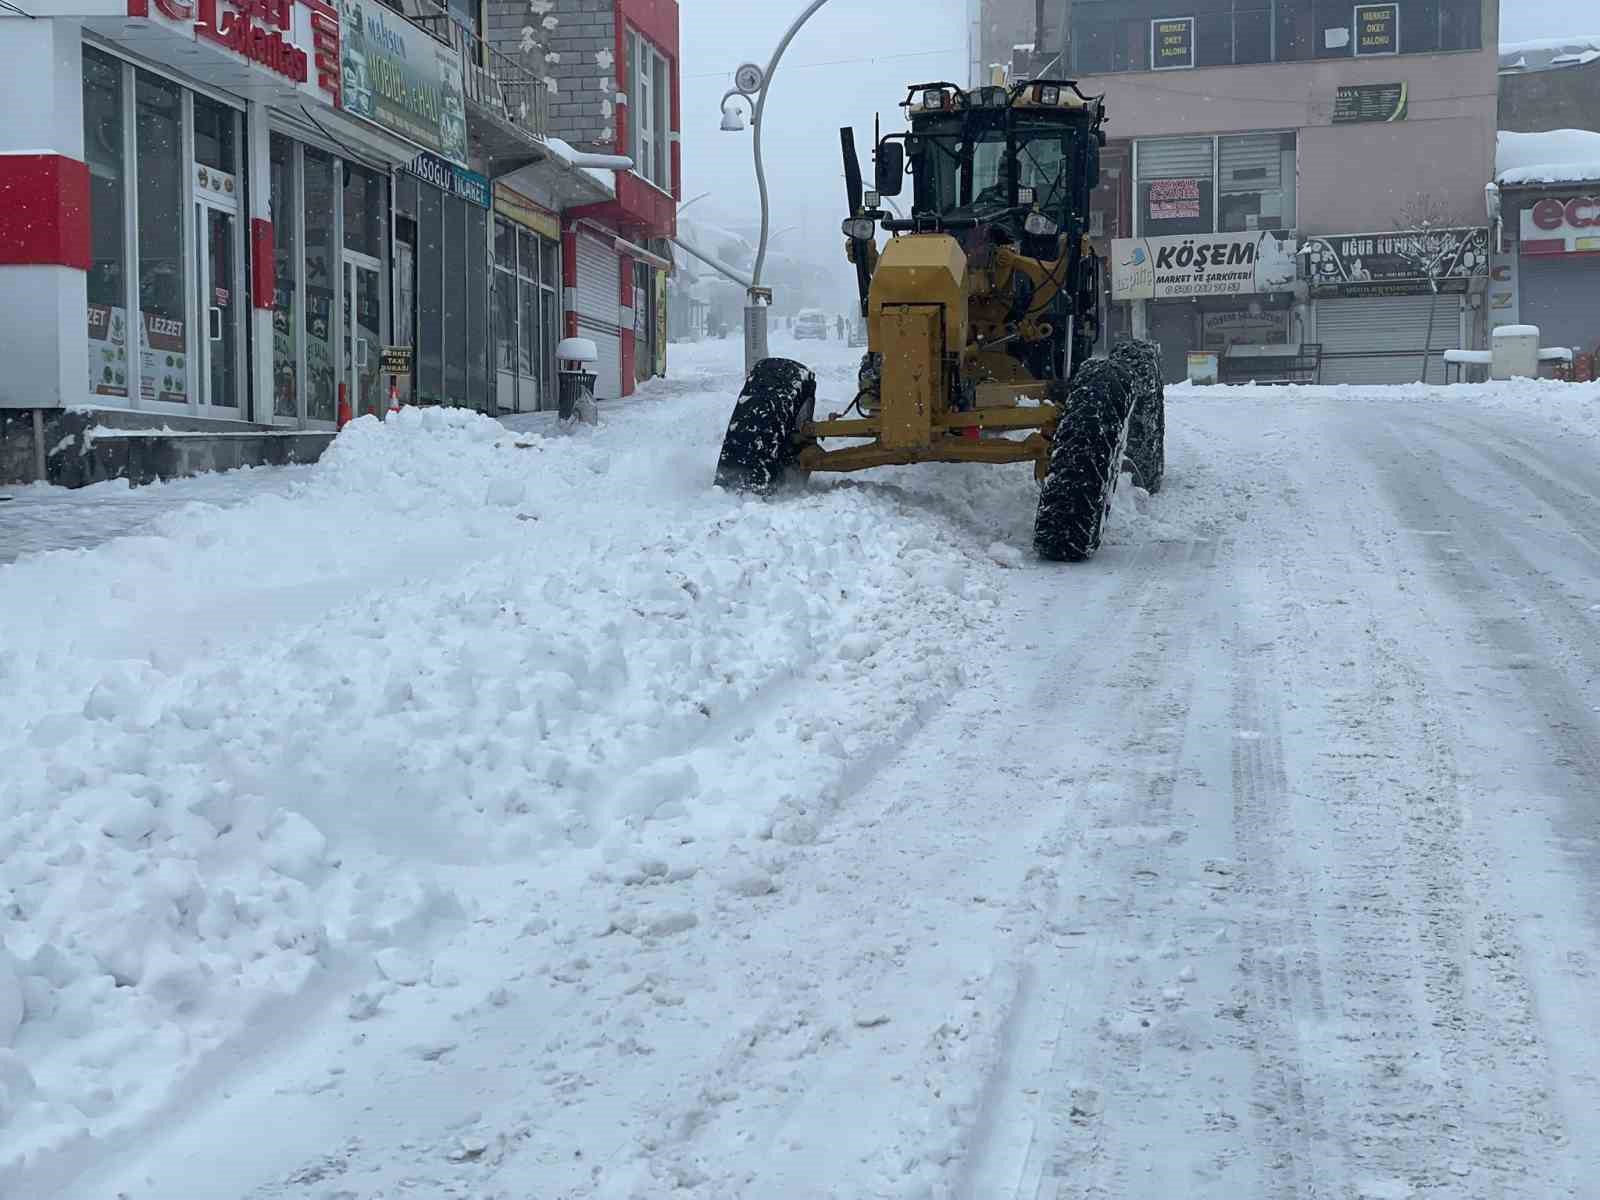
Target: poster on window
<point>165,374</point>
<point>1377,29</point>
<point>1172,43</point>
<point>1175,199</point>
<point>1219,264</point>
<point>108,350</point>
<point>1241,327</point>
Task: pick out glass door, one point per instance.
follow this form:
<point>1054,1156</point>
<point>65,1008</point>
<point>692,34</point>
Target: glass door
<point>217,269</point>
<point>363,335</point>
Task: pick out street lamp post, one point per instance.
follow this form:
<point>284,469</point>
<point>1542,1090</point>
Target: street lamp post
<point>750,81</point>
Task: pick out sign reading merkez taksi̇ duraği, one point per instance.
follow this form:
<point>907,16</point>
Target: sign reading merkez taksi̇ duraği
<point>398,76</point>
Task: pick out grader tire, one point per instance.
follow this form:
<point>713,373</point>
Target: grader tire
<point>1085,461</point>
<point>1147,429</point>
<point>763,442</point>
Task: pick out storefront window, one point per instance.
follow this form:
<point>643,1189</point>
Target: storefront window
<point>163,179</point>
<point>430,296</point>
<point>530,327</point>
<point>364,210</point>
<point>1175,186</point>
<point>1256,189</point>
<point>505,320</point>
<point>286,318</point>
<point>216,135</point>
<point>321,283</point>
<point>477,252</point>
<point>455,301</point>
<point>103,131</point>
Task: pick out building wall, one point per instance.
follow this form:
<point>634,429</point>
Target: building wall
<point>1002,25</point>
<point>581,52</point>
<point>1561,98</point>
<point>1352,177</point>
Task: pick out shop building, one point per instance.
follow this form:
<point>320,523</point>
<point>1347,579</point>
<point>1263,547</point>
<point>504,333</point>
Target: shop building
<point>247,221</point>
<point>1546,268</point>
<point>615,251</point>
<point>1291,177</point>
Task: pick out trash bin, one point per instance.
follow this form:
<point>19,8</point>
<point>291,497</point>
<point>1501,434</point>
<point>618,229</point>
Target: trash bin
<point>574,379</point>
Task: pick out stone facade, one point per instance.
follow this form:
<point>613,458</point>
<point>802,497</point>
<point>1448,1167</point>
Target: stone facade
<point>572,46</point>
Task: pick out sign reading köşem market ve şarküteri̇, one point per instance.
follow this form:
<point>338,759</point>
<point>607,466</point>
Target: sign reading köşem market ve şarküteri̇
<point>398,76</point>
<point>1401,263</point>
<point>1221,264</point>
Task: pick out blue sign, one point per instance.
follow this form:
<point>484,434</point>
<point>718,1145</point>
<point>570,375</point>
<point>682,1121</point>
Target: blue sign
<point>448,177</point>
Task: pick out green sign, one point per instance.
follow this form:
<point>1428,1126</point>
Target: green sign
<point>398,76</point>
<point>1371,102</point>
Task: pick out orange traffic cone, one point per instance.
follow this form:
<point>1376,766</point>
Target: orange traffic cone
<point>344,406</point>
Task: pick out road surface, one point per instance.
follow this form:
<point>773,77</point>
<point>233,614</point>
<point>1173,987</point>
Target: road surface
<point>1258,859</point>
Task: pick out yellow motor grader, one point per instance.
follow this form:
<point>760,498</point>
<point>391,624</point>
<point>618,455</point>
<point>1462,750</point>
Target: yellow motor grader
<point>983,311</point>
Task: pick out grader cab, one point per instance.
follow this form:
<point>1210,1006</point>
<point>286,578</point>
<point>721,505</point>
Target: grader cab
<point>982,312</point>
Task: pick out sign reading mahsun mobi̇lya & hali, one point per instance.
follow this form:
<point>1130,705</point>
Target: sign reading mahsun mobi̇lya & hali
<point>1401,263</point>
<point>398,76</point>
<point>1219,264</point>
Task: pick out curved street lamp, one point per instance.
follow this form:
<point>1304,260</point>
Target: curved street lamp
<point>750,81</point>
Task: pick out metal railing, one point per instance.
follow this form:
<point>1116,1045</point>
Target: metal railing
<point>493,80</point>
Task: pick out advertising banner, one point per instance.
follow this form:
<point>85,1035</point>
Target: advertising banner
<point>165,365</point>
<point>1221,264</point>
<point>398,76</point>
<point>1401,263</point>
<point>108,350</point>
<point>1366,102</point>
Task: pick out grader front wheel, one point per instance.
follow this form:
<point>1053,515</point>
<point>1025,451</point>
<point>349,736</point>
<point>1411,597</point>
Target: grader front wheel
<point>761,449</point>
<point>1085,461</point>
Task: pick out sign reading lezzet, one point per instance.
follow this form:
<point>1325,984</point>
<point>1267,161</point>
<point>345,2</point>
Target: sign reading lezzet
<point>1562,226</point>
<point>1172,43</point>
<point>297,40</point>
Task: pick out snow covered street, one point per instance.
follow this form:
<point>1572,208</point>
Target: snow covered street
<point>489,814</point>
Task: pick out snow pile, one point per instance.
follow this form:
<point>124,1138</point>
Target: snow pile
<point>1559,156</point>
<point>1541,54</point>
<point>250,749</point>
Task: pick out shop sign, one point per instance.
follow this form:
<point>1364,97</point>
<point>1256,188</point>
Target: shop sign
<point>1366,102</point>
<point>400,77</point>
<point>1504,304</point>
<point>447,177</point>
<point>394,360</point>
<point>108,350</point>
<point>1401,263</point>
<point>1220,330</point>
<point>1223,264</point>
<point>296,40</point>
<point>1172,44</point>
<point>1377,29</point>
<point>1566,226</point>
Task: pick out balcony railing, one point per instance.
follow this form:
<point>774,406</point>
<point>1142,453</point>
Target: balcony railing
<point>494,82</point>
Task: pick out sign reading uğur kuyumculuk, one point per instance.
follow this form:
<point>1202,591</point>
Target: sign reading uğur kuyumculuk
<point>400,77</point>
<point>1219,264</point>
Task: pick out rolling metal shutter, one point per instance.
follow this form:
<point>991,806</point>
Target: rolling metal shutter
<point>1561,295</point>
<point>1258,158</point>
<point>599,307</point>
<point>1371,340</point>
<point>1175,158</point>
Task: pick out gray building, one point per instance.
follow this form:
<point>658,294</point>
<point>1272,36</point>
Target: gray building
<point>1550,85</point>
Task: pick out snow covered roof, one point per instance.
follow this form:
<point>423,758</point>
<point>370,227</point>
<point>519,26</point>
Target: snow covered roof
<point>1559,156</point>
<point>599,167</point>
<point>1548,54</point>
